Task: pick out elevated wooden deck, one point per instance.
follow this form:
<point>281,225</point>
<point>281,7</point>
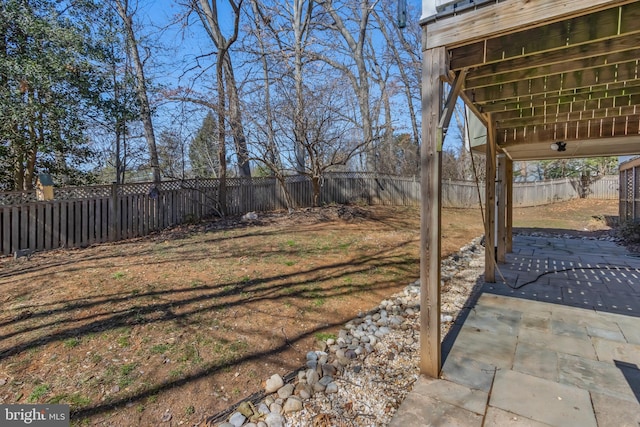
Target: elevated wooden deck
<point>548,79</point>
<point>544,71</point>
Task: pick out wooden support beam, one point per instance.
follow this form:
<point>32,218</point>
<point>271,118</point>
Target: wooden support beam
<point>468,102</point>
<point>509,203</point>
<point>434,65</point>
<point>585,94</point>
<point>452,98</point>
<point>615,75</point>
<point>561,113</point>
<point>580,130</point>
<point>506,17</point>
<point>490,206</point>
<point>575,58</point>
<point>502,209</point>
<point>449,106</point>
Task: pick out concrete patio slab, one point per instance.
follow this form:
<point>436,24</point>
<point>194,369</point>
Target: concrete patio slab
<point>452,393</point>
<point>576,346</point>
<point>540,322</point>
<point>630,330</point>
<point>497,418</point>
<point>600,377</point>
<point>551,347</point>
<point>612,412</point>
<point>468,372</point>
<point>418,408</point>
<point>499,354</point>
<point>609,334</point>
<point>569,329</point>
<point>612,351</point>
<point>536,361</point>
<point>542,400</point>
<point>496,320</point>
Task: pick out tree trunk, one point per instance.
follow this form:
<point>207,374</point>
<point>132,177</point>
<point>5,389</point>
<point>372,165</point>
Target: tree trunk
<point>222,155</point>
<point>404,77</point>
<point>360,81</point>
<point>28,163</point>
<point>141,87</point>
<point>315,184</point>
<point>29,173</point>
<point>18,166</point>
<point>300,26</point>
<point>18,171</point>
<point>383,162</point>
<point>237,128</point>
<point>208,14</point>
<point>365,115</point>
<point>272,149</point>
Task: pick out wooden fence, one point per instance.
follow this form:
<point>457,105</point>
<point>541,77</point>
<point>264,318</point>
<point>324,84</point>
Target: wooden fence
<point>525,194</point>
<point>82,216</point>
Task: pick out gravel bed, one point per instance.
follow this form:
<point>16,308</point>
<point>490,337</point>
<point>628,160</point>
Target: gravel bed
<point>361,377</point>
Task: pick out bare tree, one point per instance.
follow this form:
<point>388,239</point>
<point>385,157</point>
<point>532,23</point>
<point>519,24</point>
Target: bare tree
<point>380,73</point>
<point>406,58</point>
<point>126,14</point>
<point>353,29</point>
<point>263,32</point>
<point>330,140</point>
<point>227,88</point>
<point>208,13</point>
<point>283,54</point>
<point>327,135</point>
<point>302,13</point>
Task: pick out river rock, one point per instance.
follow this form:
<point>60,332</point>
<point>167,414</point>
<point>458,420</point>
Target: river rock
<point>237,419</point>
<point>273,384</point>
<point>274,420</point>
<point>332,387</point>
<point>293,404</point>
<point>285,392</point>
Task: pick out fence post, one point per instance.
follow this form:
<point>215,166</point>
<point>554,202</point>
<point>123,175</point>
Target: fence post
<point>114,214</point>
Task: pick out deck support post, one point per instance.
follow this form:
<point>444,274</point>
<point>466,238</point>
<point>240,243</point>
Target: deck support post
<point>501,205</point>
<point>490,206</point>
<point>433,68</point>
<point>508,185</point>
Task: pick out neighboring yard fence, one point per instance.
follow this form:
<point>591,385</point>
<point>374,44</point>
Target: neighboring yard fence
<point>630,190</point>
<point>81,216</point>
<point>465,194</point>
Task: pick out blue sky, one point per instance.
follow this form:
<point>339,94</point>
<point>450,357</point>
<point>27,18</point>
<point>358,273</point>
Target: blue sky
<point>181,47</point>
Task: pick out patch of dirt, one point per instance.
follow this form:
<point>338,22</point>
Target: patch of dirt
<point>177,326</point>
<point>578,217</point>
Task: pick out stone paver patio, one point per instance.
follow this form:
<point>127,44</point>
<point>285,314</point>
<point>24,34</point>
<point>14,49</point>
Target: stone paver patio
<point>556,344</point>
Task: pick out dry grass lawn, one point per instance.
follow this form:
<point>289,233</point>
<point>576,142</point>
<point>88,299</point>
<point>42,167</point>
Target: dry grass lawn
<point>184,323</point>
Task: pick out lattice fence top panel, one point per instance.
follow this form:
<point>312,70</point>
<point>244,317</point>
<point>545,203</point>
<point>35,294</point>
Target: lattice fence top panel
<point>17,197</point>
<point>146,188</point>
<point>74,193</point>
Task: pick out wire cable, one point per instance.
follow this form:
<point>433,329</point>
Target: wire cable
<point>608,267</point>
<point>475,174</point>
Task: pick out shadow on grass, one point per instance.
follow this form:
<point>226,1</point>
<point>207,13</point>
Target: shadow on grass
<point>64,319</point>
<point>62,260</point>
<point>243,291</point>
<point>206,371</point>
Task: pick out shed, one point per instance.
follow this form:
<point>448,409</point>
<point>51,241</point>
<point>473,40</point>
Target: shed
<point>547,79</point>
<point>44,187</point>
